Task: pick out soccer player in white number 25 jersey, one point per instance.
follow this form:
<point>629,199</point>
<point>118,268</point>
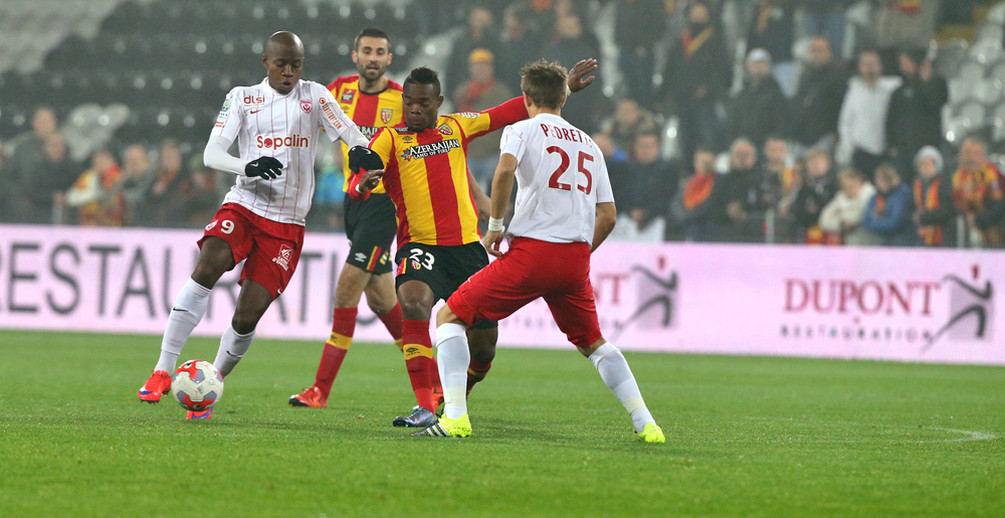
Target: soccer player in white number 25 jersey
<point>277,124</point>
<point>564,210</point>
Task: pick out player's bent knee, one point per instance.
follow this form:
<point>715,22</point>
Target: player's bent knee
<point>446,316</point>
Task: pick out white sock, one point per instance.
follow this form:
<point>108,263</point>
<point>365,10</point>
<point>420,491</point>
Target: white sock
<point>452,358</point>
<point>232,349</point>
<point>188,309</point>
<point>614,370</point>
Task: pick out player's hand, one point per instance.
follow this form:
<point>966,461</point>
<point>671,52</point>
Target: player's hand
<point>492,240</point>
<point>369,180</point>
<point>265,167</point>
<point>577,76</point>
<point>362,157</point>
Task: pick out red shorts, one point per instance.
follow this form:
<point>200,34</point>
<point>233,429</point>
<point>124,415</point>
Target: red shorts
<point>272,249</point>
<point>558,272</point>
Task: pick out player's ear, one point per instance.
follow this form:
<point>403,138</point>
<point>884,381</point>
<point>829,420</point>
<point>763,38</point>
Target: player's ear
<point>527,102</point>
<point>355,56</point>
<point>439,101</point>
<point>562,102</point>
<point>265,61</point>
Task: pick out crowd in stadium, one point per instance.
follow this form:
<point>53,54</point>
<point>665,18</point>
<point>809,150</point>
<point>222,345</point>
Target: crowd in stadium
<point>779,121</point>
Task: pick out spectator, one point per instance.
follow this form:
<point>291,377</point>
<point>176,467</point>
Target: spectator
<point>613,155</point>
<point>634,26</point>
<point>27,164</point>
<point>759,109</point>
<point>570,44</point>
<point>934,215</point>
<point>773,30</point>
<point>480,92</point>
<point>841,219</point>
<point>862,122</point>
<point>137,177</point>
<point>817,103</point>
<point>978,193</point>
<point>521,42</point>
<point>168,194</point>
<point>480,33</point>
<point>201,199</point>
<point>782,185</point>
<point>825,18</point>
<point>699,209</point>
<point>748,195</point>
<point>906,24</point>
<point>915,116</point>
<point>627,121</point>
<point>888,214</point>
<point>45,184</point>
<point>696,78</point>
<point>644,191</point>
<point>97,193</point>
<point>816,191</point>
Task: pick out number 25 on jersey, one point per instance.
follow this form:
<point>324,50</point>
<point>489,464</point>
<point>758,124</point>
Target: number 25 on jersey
<point>555,183</point>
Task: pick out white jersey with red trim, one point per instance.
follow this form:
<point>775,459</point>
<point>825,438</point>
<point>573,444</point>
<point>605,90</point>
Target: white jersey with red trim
<point>561,176</point>
<point>287,127</point>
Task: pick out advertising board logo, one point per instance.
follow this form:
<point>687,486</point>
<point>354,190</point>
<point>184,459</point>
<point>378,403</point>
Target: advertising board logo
<point>971,306</point>
<point>655,306</point>
<point>883,310</point>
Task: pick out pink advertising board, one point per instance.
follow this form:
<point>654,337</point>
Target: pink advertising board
<point>837,302</point>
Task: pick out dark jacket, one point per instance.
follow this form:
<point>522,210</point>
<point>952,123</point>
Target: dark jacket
<point>708,67</point>
<point>758,111</point>
<point>815,108</point>
<point>914,119</point>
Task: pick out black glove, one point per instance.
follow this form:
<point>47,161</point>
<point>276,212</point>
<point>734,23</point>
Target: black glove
<point>265,167</point>
<point>361,157</point>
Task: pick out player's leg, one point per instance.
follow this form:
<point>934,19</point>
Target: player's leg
<point>453,358</point>
<point>417,299</point>
<point>482,340</point>
<point>348,289</point>
<point>271,263</point>
<point>383,302</point>
<point>576,315</point>
<point>216,256</point>
<point>252,302</point>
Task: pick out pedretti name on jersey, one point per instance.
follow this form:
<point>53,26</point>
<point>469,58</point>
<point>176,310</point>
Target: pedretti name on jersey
<point>295,140</point>
<point>426,150</point>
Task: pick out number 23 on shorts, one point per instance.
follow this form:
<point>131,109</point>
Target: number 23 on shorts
<point>418,259</point>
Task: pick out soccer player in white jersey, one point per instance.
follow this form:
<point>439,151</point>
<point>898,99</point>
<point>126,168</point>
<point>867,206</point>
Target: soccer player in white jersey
<point>277,124</point>
<point>564,211</point>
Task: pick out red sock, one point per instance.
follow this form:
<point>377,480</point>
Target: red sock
<point>337,346</point>
<point>477,372</point>
<point>418,351</point>
<point>392,321</point>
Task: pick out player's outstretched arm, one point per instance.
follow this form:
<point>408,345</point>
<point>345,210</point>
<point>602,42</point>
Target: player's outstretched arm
<point>216,157</point>
<point>502,186</point>
<point>607,215</point>
<point>577,76</point>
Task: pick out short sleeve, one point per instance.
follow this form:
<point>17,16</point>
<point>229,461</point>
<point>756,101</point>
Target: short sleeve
<point>512,142</point>
<point>382,143</point>
<point>231,117</point>
<point>602,178</point>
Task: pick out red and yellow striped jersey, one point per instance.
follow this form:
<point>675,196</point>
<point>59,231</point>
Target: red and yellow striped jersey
<point>426,174</point>
<point>370,111</point>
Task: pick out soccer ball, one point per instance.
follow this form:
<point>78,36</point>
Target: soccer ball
<point>197,385</point>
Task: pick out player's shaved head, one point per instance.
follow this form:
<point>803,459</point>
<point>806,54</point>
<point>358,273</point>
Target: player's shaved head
<point>284,41</point>
<point>544,83</point>
<point>284,61</point>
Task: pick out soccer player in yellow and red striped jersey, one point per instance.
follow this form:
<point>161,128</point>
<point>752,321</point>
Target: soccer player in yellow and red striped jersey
<point>439,246</point>
<point>372,101</point>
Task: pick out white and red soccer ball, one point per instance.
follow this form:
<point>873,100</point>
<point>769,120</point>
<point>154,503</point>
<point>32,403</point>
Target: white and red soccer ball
<point>197,385</point>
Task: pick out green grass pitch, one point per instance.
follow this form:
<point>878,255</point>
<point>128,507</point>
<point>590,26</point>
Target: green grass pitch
<point>747,437</point>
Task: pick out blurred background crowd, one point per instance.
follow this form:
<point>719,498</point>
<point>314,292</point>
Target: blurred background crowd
<point>869,122</point>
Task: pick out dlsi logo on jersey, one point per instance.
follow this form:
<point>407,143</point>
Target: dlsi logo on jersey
<point>427,150</point>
